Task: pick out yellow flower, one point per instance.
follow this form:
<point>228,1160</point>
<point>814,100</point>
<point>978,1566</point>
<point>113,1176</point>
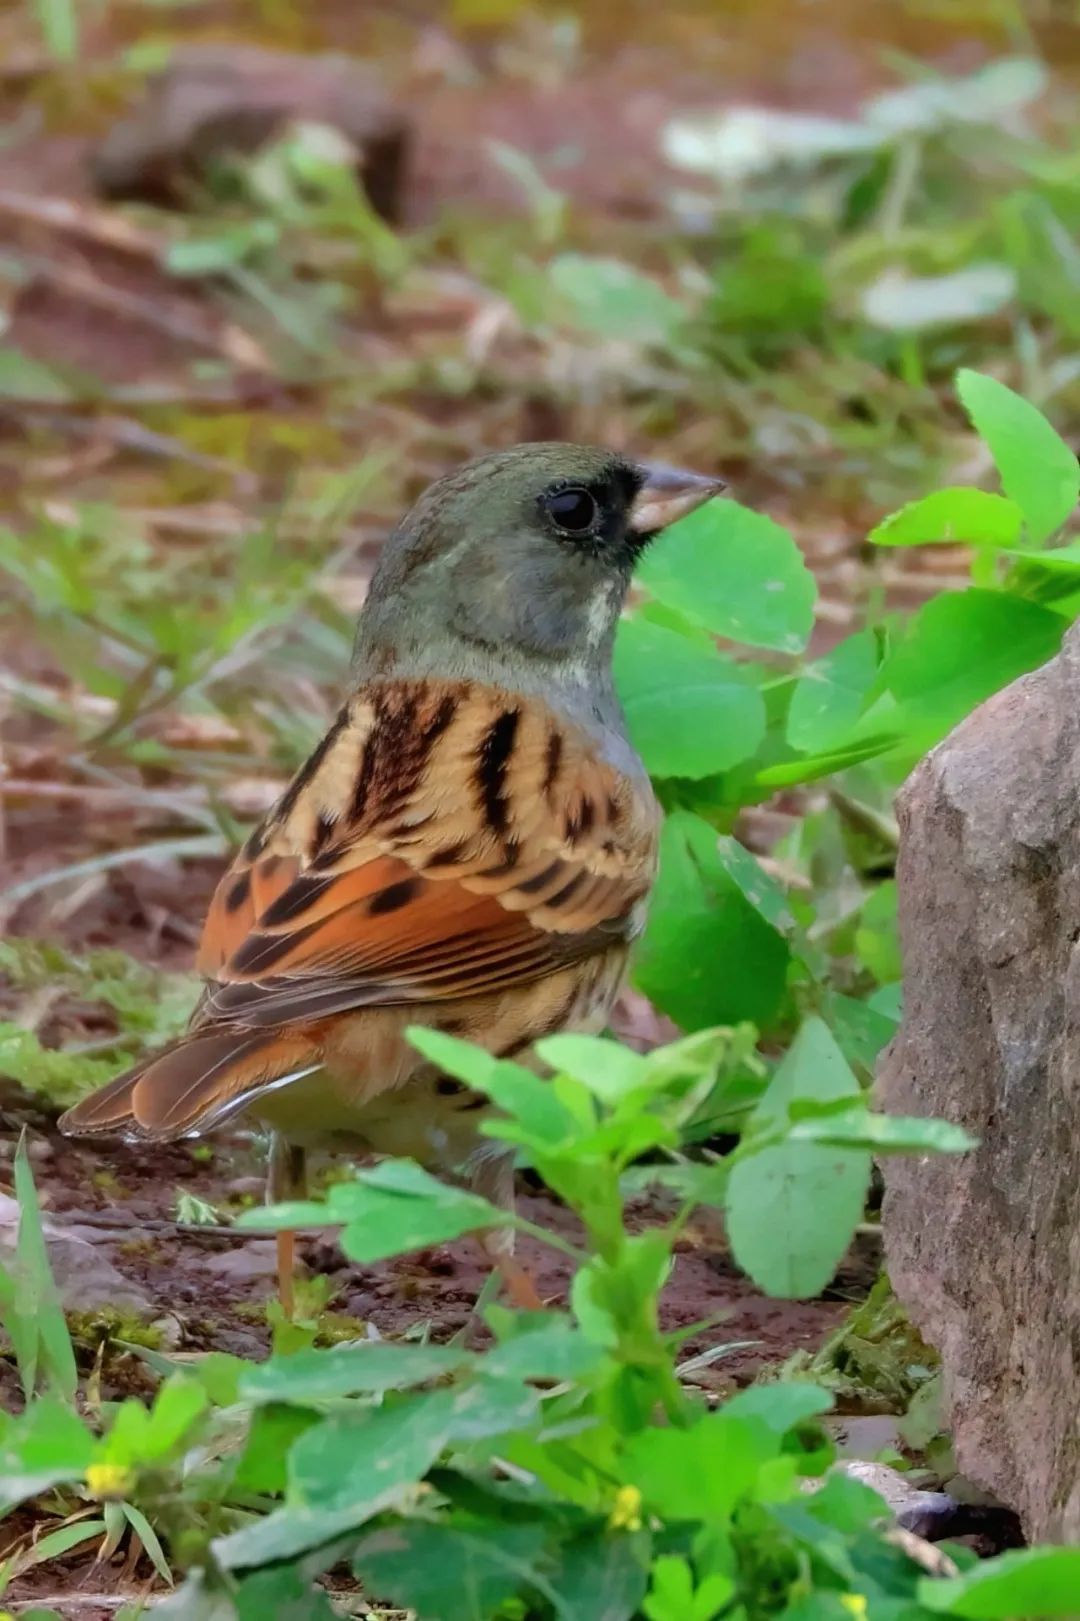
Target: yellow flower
<point>856,1604</point>
<point>626,1514</point>
<point>107,1479</point>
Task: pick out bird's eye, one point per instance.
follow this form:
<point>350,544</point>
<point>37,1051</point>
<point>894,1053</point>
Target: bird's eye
<point>573,510</point>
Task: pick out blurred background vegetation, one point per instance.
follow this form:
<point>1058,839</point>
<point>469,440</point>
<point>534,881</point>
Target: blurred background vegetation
<point>250,304</point>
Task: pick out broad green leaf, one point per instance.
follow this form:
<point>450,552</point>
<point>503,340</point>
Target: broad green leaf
<point>894,1134</point>
<point>459,1570</point>
<point>1038,470</point>
<point>528,1100</point>
<point>1057,560</point>
<point>600,1576</point>
<point>673,1597</point>
<point>295,1529</point>
<point>462,1059</point>
<point>606,1067</point>
<point>779,1406</point>
<point>699,1473</point>
<point>765,895</point>
<point>861,1030</point>
<point>538,1345</point>
<point>831,693</point>
<point>614,300</point>
<point>271,1433</point>
<point>691,712</point>
<point>791,1209</point>
<point>961,516</point>
<point>491,1404</point>
<point>963,646</point>
<point>141,1436</point>
<point>351,1459</point>
<point>349,1370</point>
<point>388,1210</point>
<point>1034,1582</point>
<point>736,572</point>
<point>708,956</point>
<point>284,1592</point>
<point>877,941</point>
<point>46,1444</point>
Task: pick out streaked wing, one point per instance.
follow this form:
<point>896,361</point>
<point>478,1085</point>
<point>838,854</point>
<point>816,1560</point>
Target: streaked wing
<point>444,840</point>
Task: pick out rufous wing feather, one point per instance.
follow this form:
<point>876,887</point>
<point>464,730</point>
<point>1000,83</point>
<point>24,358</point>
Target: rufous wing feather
<point>445,841</point>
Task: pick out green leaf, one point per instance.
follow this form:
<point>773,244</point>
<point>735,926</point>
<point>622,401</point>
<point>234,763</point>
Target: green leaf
<point>394,1207</point>
<point>841,757</point>
<point>1034,1582</point>
<point>139,1437</point>
<point>698,1473</point>
<point>791,1209</point>
<point>35,1311</point>
<point>369,1368</point>
<point>284,1592</point>
<point>708,956</point>
<point>955,517</point>
<point>452,1571</point>
<point>780,1406</point>
<point>895,1134</point>
<point>606,1067</point>
<point>538,1345</point>
<point>877,942</point>
<point>271,1433</point>
<point>613,300</point>
<point>691,712</point>
<point>736,572</point>
<point>831,693</point>
<point>462,1059</point>
<point>963,646</point>
<point>1038,470</point>
<point>599,1577</point>
<point>861,1030</point>
<point>673,1596</point>
<point>46,1444</point>
<point>149,1539</point>
<point>765,895</point>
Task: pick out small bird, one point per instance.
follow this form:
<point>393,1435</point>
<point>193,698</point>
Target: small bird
<point>470,847</point>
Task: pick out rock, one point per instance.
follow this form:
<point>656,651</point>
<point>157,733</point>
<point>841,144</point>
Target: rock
<point>216,101</point>
<point>85,1277</point>
<point>244,1263</point>
<point>984,1250</point>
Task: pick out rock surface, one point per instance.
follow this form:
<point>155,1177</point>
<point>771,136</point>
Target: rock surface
<point>214,101</point>
<point>985,1250</point>
<point>85,1276</point>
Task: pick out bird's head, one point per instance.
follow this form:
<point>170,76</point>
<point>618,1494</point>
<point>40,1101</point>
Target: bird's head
<point>524,555</point>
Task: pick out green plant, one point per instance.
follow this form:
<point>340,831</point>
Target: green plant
<point>720,734</point>
<point>565,1471</point>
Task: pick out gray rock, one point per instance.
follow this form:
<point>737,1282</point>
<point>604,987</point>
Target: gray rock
<point>985,1250</point>
<point>85,1276</point>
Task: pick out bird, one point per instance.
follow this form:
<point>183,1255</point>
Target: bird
<point>470,847</point>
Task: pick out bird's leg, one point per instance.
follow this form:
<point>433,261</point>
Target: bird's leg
<point>492,1176</point>
<point>286,1178</point>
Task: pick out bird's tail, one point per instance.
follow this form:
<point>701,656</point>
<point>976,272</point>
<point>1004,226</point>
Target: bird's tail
<point>192,1086</point>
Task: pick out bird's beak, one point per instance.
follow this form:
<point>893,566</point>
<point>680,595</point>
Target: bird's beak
<point>669,493</point>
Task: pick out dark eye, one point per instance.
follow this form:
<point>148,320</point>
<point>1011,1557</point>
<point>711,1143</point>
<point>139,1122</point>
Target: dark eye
<point>574,510</point>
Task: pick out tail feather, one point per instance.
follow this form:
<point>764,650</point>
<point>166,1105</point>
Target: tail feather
<point>192,1086</point>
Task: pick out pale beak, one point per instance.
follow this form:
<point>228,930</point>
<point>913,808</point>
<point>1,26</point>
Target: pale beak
<point>669,493</point>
